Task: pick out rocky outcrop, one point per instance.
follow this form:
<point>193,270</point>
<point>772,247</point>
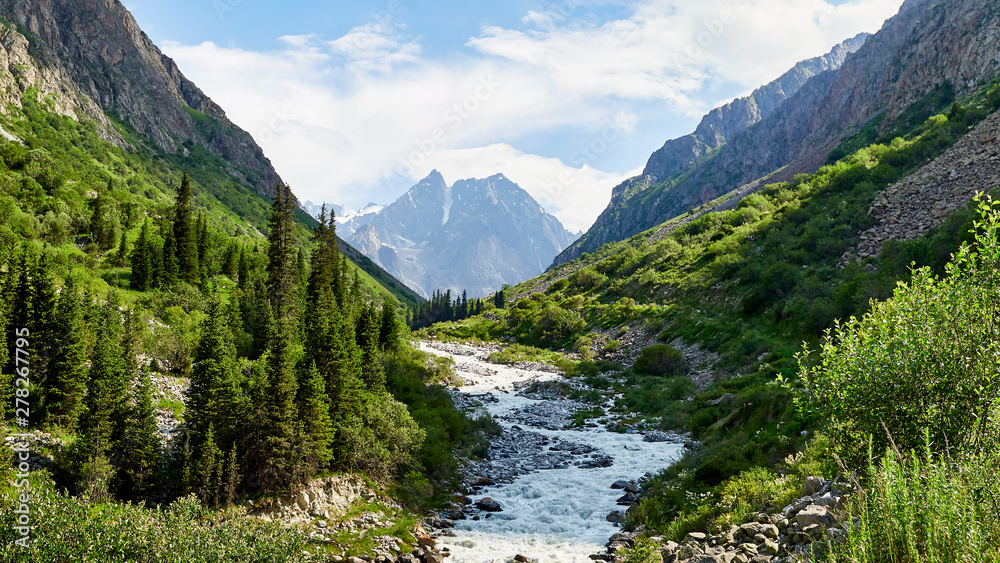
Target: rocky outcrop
<point>923,200</point>
<point>723,123</point>
<point>916,52</point>
<point>476,235</point>
<point>93,60</point>
<point>784,536</point>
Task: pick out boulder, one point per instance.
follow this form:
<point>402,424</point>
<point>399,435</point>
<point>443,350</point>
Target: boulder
<point>812,485</point>
<point>615,517</point>
<point>619,484</point>
<point>488,504</point>
<point>814,514</point>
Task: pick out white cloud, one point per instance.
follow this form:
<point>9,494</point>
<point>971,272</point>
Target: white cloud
<point>672,49</point>
<point>362,117</point>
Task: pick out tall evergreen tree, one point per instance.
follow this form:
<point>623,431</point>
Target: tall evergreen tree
<point>208,470</point>
<point>68,370</point>
<point>186,235</point>
<point>281,254</point>
<point>314,415</point>
<point>372,372</point>
<point>203,253</point>
<point>169,271</point>
<point>389,327</point>
<point>213,397</point>
<point>142,261</point>
<point>140,444</point>
<point>281,432</point>
<point>102,422</point>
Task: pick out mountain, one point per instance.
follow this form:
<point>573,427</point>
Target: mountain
<point>342,214</point>
<point>927,46</point>
<point>475,235</point>
<point>93,56</point>
<point>88,60</point>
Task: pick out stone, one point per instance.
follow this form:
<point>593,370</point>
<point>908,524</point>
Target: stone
<point>813,514</point>
<point>771,548</point>
<point>489,505</point>
<point>760,538</point>
<point>770,530</point>
<point>699,537</point>
<point>619,484</point>
<point>632,487</point>
<point>615,517</point>
<point>521,558</point>
<point>812,485</point>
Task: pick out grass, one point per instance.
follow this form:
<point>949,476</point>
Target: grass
<point>175,407</point>
<point>918,507</point>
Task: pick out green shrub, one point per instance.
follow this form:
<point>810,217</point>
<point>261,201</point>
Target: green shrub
<point>587,279</point>
<point>924,360</point>
<point>661,359</point>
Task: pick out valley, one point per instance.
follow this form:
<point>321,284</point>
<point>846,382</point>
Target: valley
<point>777,344</point>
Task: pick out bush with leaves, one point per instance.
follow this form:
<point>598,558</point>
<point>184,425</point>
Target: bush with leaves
<point>929,358</point>
<point>660,359</point>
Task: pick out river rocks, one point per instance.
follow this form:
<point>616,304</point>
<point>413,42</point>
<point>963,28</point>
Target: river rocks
<point>658,436</point>
<point>620,484</point>
<point>597,460</point>
<point>784,537</point>
<point>488,504</point>
<point>615,517</point>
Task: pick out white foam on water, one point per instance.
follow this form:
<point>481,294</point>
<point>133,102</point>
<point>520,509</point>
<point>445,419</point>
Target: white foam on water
<point>553,515</point>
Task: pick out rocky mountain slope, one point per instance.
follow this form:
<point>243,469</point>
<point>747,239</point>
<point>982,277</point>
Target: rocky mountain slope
<point>93,60</point>
<point>475,235</point>
<point>723,123</point>
<point>923,47</point>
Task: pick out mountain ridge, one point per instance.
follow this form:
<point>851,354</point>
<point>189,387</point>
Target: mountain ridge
<point>474,235</point>
<point>909,57</point>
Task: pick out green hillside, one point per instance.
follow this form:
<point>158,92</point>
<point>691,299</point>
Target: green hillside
<point>751,285</point>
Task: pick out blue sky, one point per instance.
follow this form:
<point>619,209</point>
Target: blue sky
<point>356,101</point>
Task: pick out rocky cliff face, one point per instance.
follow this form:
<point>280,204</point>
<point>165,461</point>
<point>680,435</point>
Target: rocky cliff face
<point>475,235</point>
<point>723,123</point>
<point>915,52</point>
<point>92,58</point>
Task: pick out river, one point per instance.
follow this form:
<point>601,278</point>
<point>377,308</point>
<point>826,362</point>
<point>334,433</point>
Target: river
<point>548,515</point>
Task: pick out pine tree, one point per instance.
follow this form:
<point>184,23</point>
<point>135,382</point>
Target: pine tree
<point>281,428</point>
<point>185,235</point>
<point>102,422</point>
<point>389,327</point>
<point>231,265</point>
<point>372,372</point>
<point>140,444</point>
<point>208,470</point>
<point>213,397</point>
<point>68,370</point>
<point>169,272</point>
<point>203,254</point>
<point>500,299</point>
<point>142,261</point>
<point>314,414</point>
<point>121,255</point>
<point>232,477</point>
<point>281,254</point>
